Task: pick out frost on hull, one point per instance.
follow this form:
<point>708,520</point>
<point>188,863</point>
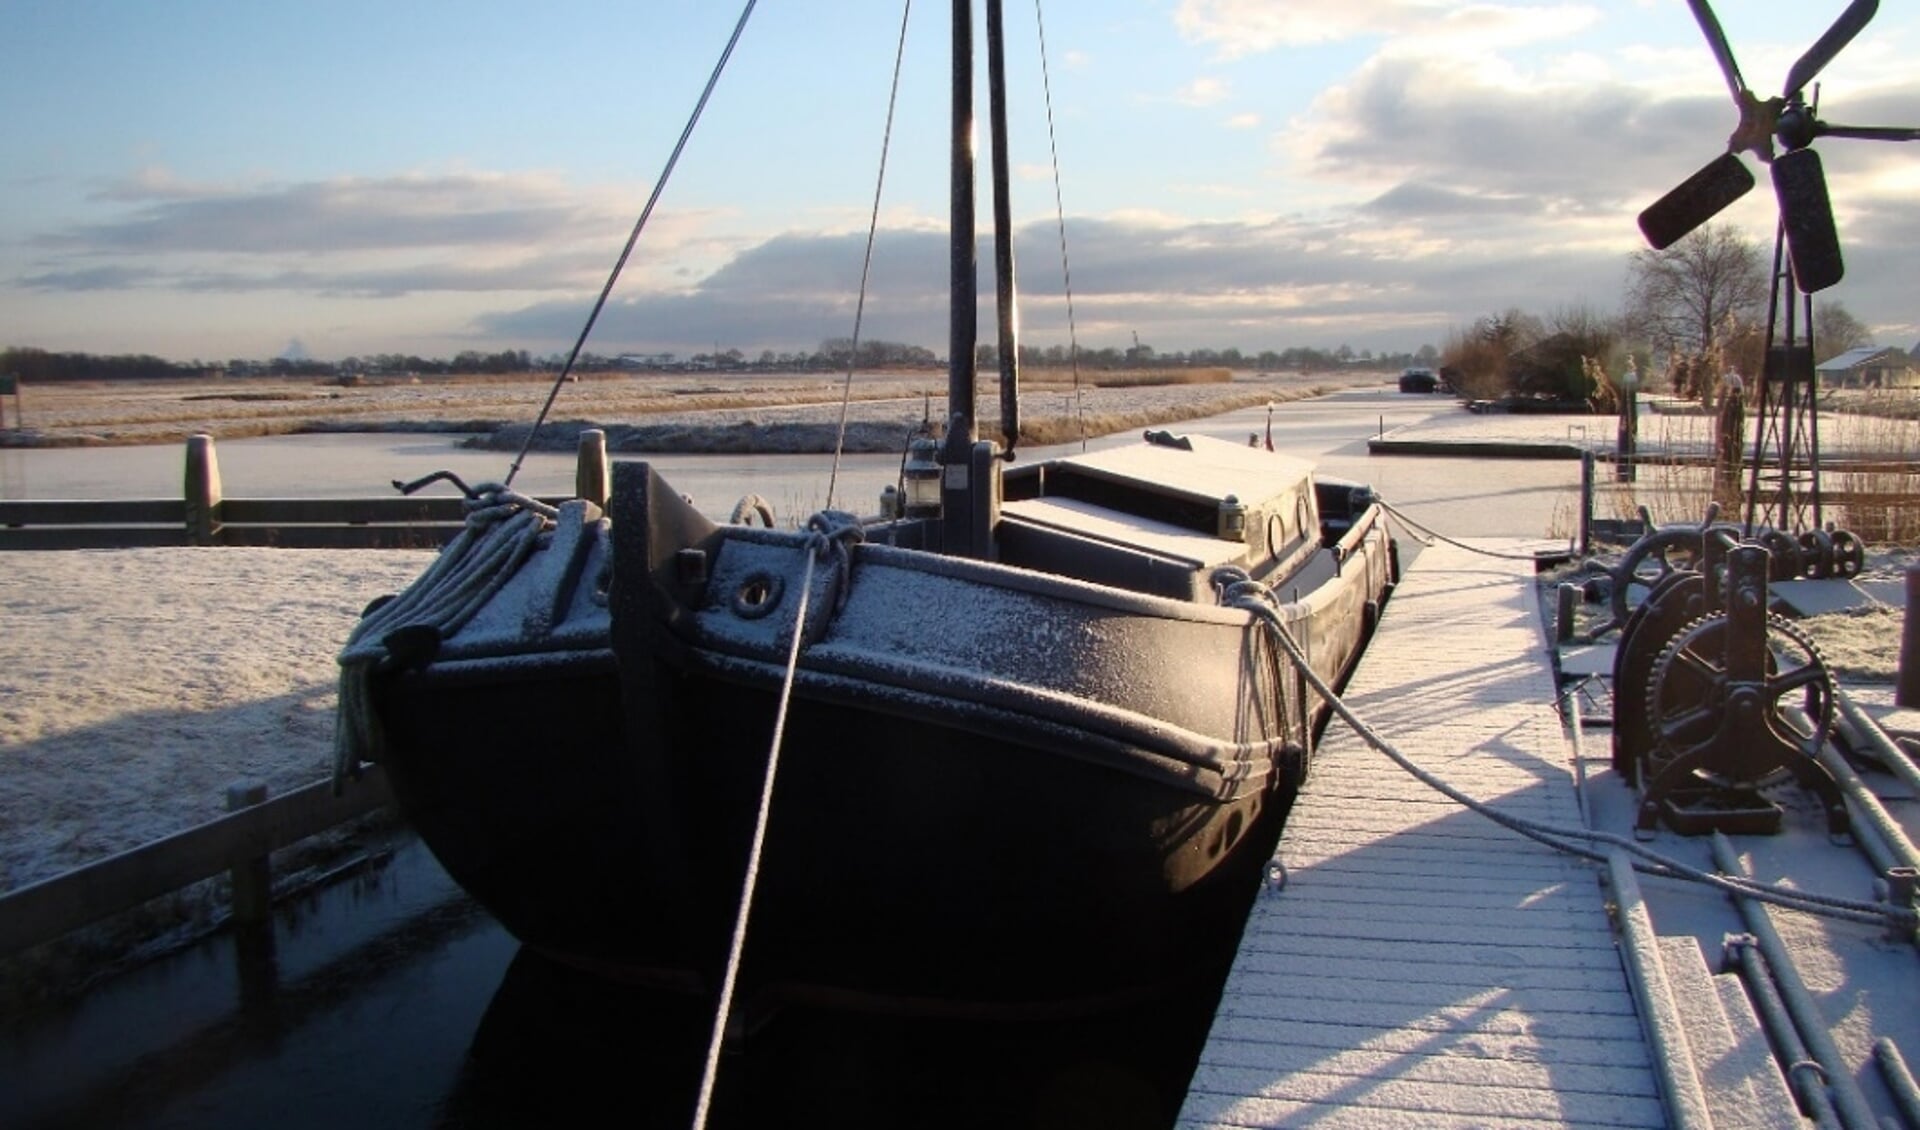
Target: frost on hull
<point>1043,781</point>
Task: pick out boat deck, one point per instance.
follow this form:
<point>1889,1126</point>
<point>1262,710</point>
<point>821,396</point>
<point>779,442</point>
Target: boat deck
<point>1419,965</point>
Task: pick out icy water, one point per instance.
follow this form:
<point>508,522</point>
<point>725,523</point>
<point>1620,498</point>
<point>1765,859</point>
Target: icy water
<point>1461,497</point>
<point>392,1000</point>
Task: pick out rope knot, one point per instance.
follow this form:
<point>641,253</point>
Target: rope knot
<point>832,534</point>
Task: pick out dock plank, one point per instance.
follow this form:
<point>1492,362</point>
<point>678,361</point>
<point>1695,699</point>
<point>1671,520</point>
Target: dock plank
<point>1419,964</point>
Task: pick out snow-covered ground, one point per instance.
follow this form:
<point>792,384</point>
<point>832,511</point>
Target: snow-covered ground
<point>136,684</point>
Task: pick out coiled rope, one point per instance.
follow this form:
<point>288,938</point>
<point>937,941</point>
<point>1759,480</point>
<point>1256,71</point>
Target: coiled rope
<point>829,534</point>
<point>1244,593</point>
<point>503,529</point>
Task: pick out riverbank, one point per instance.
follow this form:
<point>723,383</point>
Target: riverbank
<point>679,413</point>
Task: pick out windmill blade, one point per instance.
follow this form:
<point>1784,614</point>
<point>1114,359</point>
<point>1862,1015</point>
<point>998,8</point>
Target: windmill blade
<point>1806,215</point>
<point>1695,200</point>
<point>1717,40</point>
<point>1829,45</point>
<point>1867,133</point>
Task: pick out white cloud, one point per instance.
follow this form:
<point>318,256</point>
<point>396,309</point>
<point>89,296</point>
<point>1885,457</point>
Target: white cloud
<point>1237,28</point>
<point>1202,92</point>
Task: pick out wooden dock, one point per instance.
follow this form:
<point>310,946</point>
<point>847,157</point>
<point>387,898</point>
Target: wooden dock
<point>1420,965</point>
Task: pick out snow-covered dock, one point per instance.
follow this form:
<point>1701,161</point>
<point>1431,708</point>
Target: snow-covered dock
<point>1412,963</point>
<point>1420,965</point>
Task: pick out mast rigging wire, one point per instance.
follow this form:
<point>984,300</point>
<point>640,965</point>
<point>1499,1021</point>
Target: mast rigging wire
<point>659,186</point>
<point>866,263</point>
<point>1060,220</point>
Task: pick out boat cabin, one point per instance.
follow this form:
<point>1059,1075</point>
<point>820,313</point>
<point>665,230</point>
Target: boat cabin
<point>1159,517</point>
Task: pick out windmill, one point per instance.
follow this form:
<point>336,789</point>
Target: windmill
<point>1805,242</point>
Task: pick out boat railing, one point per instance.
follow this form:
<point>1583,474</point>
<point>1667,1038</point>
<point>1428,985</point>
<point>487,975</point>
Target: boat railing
<point>238,844</point>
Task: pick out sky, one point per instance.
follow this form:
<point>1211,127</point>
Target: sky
<point>211,179</point>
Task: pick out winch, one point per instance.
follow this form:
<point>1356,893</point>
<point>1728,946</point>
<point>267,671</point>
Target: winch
<point>1716,699</point>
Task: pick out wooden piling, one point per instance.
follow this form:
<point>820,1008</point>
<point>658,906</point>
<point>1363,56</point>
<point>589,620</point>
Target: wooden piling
<point>1586,501</point>
<point>252,875</point>
<point>202,491</point>
<point>592,474</point>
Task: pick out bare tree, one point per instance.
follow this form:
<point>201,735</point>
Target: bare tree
<point>1836,330</point>
<point>1678,297</point>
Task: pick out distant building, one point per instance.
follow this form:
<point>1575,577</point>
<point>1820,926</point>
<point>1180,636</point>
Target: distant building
<point>1869,366</point>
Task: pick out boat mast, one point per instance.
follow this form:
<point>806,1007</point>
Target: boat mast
<point>970,471</point>
<point>961,316</point>
<point>1008,309</point>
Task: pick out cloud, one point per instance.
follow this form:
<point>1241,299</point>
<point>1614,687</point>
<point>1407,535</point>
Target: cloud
<point>1201,92</point>
<point>1248,283</point>
<point>1237,28</point>
<point>324,216</point>
<point>455,233</point>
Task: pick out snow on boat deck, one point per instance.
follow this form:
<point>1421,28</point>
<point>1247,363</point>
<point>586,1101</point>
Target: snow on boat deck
<point>1421,966</point>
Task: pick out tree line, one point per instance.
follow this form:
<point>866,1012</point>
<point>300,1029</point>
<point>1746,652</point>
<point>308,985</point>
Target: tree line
<point>1692,313</point>
<point>39,366</point>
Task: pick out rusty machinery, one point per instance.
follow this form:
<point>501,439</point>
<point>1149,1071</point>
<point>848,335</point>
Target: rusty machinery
<point>1716,699</point>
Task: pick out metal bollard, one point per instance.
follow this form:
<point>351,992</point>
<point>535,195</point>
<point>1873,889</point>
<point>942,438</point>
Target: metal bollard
<point>1906,692</point>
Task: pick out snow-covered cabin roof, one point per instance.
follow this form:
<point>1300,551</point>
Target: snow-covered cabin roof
<point>1858,356</point>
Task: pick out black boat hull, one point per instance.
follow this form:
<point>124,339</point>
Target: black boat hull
<point>999,791</point>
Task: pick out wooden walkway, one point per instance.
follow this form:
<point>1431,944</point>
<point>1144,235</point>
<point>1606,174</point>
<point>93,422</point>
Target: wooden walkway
<point>1422,966</point>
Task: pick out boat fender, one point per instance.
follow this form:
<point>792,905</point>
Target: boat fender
<point>376,604</point>
<point>1168,439</point>
<point>410,648</point>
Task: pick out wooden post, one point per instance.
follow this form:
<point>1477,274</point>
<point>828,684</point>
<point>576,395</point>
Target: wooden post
<point>1906,692</point>
<point>202,492</point>
<point>591,474</point>
<point>1586,501</point>
<point>252,878</point>
<point>10,383</point>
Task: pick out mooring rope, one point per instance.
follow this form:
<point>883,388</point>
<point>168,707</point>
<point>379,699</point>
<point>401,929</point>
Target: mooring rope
<point>829,532</point>
<point>866,262</point>
<point>1259,600</point>
<point>1404,517</point>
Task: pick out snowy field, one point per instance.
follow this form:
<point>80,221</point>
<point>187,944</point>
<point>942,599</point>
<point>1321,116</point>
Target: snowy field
<point>136,684</point>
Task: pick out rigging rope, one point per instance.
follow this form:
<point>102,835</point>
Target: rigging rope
<point>1060,220</point>
<point>619,264</point>
<point>1438,536</point>
<point>828,532</point>
<point>866,263</point>
<point>1244,593</point>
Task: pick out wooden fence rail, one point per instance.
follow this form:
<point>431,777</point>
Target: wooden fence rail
<point>239,842</point>
<point>202,516</point>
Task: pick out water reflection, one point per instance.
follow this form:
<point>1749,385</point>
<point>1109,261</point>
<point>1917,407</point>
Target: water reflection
<point>557,1046</point>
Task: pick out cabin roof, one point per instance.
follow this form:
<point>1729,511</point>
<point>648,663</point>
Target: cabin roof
<point>1210,468</point>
